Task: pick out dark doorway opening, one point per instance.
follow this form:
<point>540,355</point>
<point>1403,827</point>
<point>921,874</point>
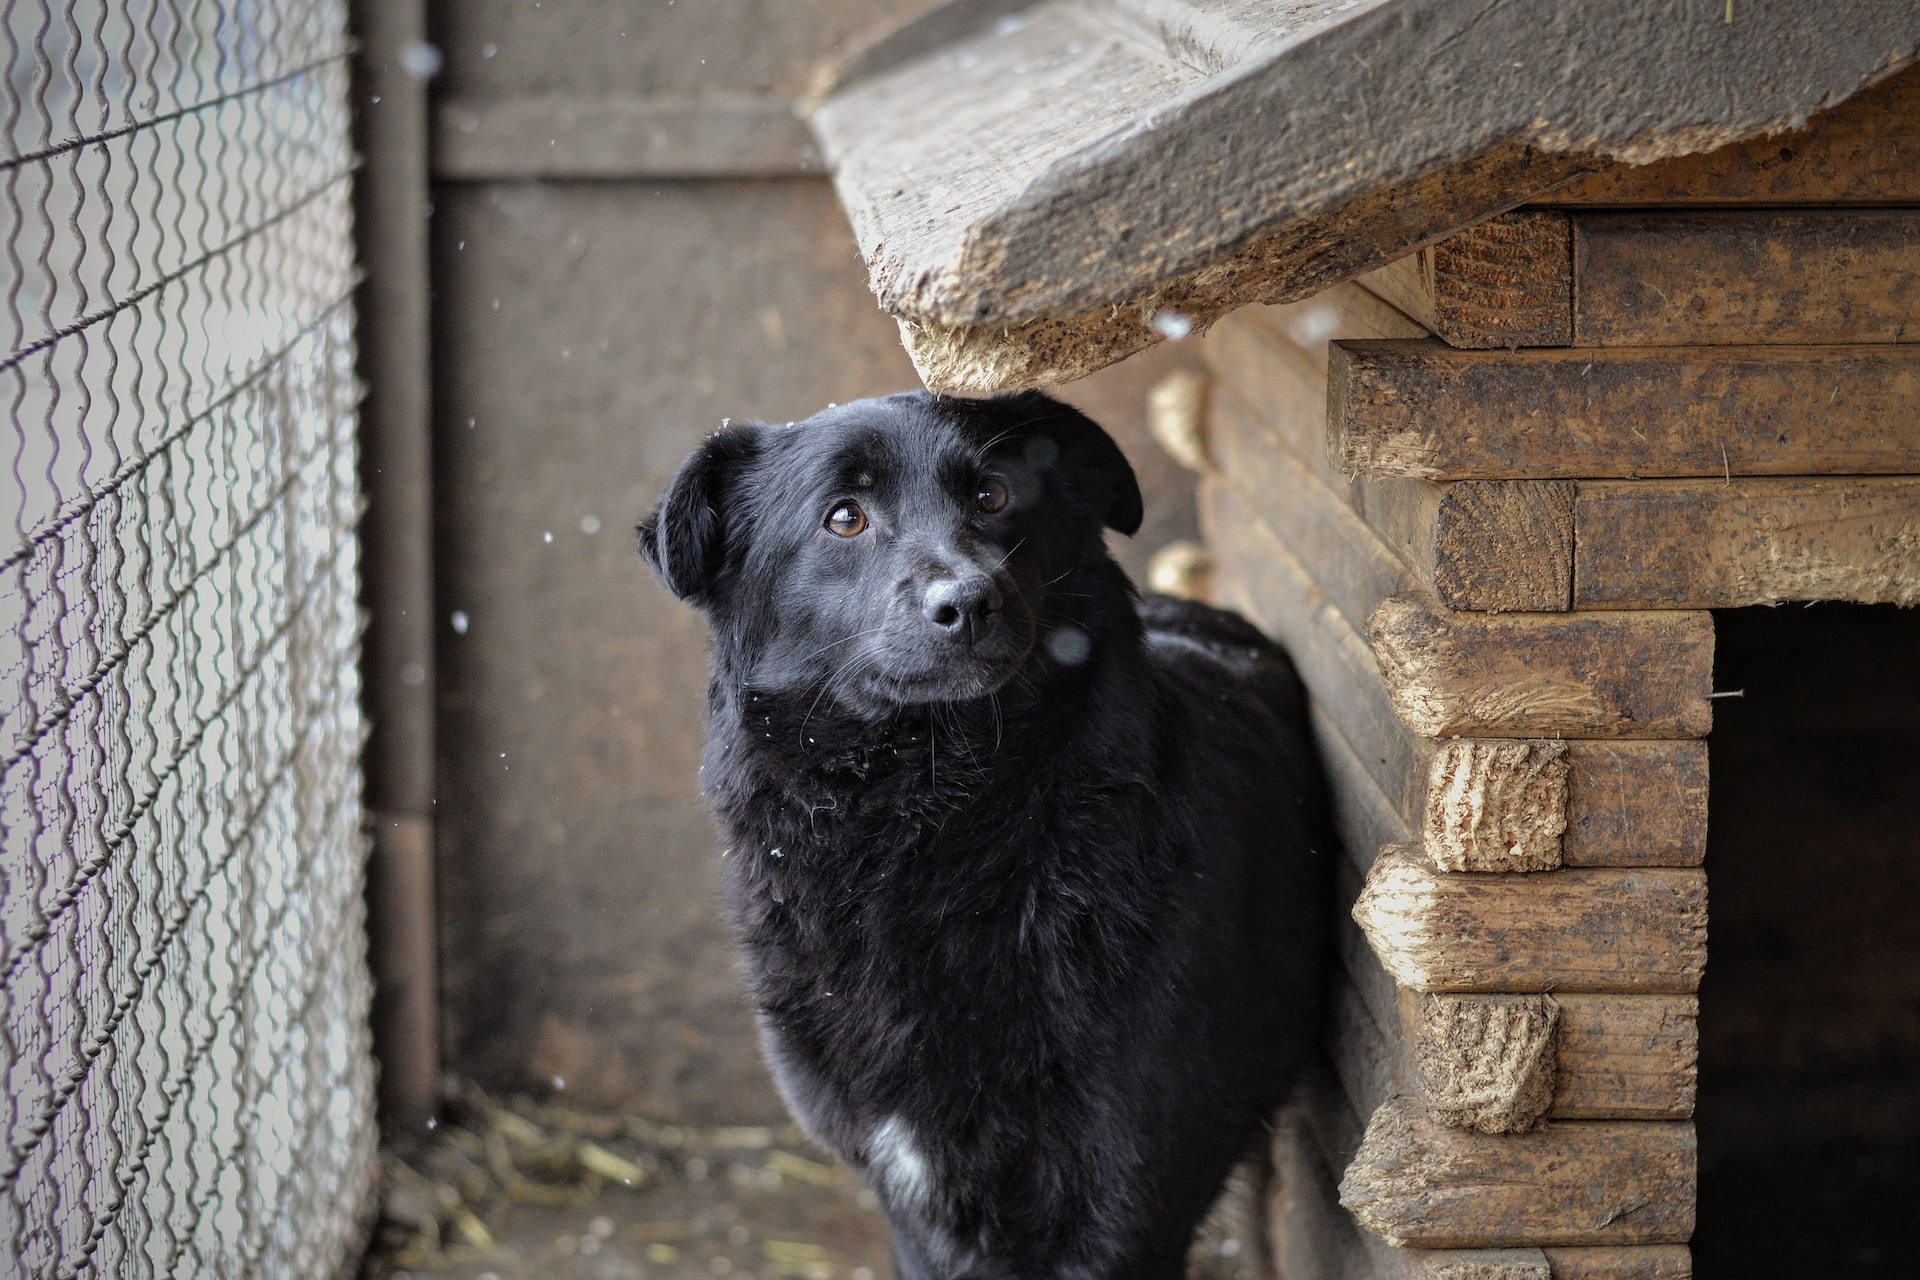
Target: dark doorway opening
<point>1809,1111</point>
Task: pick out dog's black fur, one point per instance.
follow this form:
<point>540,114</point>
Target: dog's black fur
<point>1028,872</point>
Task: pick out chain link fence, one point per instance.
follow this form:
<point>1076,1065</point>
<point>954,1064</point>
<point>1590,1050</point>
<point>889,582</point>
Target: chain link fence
<point>183,989</point>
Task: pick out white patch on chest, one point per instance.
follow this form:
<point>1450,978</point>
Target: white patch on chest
<point>898,1163</point>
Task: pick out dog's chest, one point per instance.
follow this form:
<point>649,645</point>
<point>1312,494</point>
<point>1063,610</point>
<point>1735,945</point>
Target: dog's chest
<point>923,929</point>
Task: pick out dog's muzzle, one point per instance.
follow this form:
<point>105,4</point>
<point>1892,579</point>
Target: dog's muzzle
<point>963,610</point>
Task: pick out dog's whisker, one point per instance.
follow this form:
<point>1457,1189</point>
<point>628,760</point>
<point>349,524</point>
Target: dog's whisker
<point>829,681</point>
<point>858,635</point>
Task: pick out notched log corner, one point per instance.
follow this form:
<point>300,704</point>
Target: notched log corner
<point>1602,929</point>
<point>1616,674</point>
<point>1485,1062</point>
<point>1496,804</point>
<point>1414,1182</point>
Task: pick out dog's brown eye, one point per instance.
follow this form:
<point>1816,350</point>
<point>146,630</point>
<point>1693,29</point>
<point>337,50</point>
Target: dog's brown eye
<point>847,520</point>
<point>993,494</point>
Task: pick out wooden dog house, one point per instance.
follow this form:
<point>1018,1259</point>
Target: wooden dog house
<point>1494,421</point>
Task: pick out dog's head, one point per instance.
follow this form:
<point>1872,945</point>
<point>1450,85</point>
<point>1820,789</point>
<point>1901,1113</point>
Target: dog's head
<point>893,552</point>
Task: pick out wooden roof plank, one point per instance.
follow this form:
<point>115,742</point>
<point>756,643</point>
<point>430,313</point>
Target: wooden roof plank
<point>1031,186</point>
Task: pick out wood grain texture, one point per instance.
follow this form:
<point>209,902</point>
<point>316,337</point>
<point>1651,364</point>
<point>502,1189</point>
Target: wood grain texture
<point>1315,1239</point>
<point>1364,819</point>
<point>1626,1057</point>
<point>1064,165</point>
<point>1414,1182</point>
<point>1635,804</point>
<point>1259,574</point>
<point>1488,817</point>
<point>1484,1062</point>
<point>1726,278</point>
<point>1505,282</point>
<point>1310,1235</point>
<point>1495,804</point>
<point>1375,1071</point>
<point>1498,545</point>
<point>1422,408</point>
<point>1323,1125</point>
<point>961,358</point>
<point>1493,545</point>
<point>1621,1262</point>
<point>1277,384</point>
<point>1615,1057</point>
<point>1576,929</point>
<point>1626,803</point>
<point>1346,559</point>
<point>1372,1070</point>
<point>1657,544</point>
<point>1672,278</point>
<point>1864,151</point>
<point>1588,675</point>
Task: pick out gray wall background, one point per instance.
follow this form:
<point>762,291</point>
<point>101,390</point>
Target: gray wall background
<point>588,332</point>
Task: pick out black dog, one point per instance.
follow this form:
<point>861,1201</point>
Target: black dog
<point>1028,872</point>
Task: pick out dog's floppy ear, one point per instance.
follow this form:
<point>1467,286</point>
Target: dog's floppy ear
<point>1090,462</point>
<point>685,537</point>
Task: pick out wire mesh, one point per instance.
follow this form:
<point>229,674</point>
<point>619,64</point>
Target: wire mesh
<point>187,1079</point>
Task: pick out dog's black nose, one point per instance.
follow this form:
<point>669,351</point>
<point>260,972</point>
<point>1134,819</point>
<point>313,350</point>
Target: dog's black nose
<point>961,607</point>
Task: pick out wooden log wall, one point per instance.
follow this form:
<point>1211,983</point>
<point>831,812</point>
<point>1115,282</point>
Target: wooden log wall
<point>1486,496</point>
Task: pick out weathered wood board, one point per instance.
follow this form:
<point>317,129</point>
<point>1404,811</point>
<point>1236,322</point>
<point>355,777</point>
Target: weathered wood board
<point>1352,565</point>
<point>1615,1056</point>
<point>1865,151</point>
<point>1315,1239</point>
<point>1657,544</point>
<point>1511,544</point>
<point>1492,545</point>
<point>1256,573</point>
<point>1490,1071</point>
<point>1620,1262</point>
<point>1506,282</point>
<point>1366,822</point>
<point>1311,1236</point>
<point>1626,1056</point>
<point>1635,804</point>
<point>1495,804</point>
<point>1422,408</point>
<point>1575,929</point>
<point>972,359</point>
<point>1034,185</point>
<point>1348,310</point>
<point>1500,1063</point>
<point>1574,1182</point>
<point>1478,544</point>
<point>1801,276</point>
<point>1652,544</point>
<point>1637,674</point>
<point>1695,278</point>
<point>1321,1132</point>
<point>1277,383</point>
<point>1475,802</point>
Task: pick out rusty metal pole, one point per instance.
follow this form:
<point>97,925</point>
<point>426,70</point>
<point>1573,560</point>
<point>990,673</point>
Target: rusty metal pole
<point>391,209</point>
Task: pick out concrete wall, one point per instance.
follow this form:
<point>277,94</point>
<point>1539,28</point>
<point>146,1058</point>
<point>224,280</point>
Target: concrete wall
<point>587,334</point>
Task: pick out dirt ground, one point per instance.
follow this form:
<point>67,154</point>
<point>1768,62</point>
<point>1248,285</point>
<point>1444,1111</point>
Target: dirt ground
<point>514,1190</point>
<point>518,1190</point>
